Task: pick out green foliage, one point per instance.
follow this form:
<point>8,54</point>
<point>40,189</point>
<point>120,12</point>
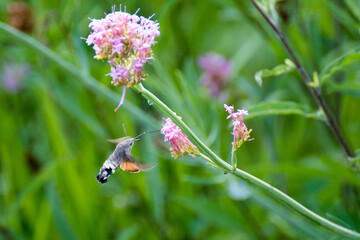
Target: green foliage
<point>53,131</point>
<point>269,6</point>
<point>339,64</point>
<point>276,71</point>
<point>282,108</point>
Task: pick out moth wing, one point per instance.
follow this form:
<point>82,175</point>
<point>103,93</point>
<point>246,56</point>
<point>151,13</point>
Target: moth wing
<point>147,166</point>
<point>129,165</point>
<point>118,140</point>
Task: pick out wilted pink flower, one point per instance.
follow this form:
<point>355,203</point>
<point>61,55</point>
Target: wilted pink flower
<point>217,72</point>
<point>180,144</point>
<point>124,40</point>
<point>240,132</point>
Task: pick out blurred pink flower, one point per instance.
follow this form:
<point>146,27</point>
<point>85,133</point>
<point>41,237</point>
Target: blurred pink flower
<point>240,132</point>
<point>12,76</point>
<point>124,40</point>
<point>217,72</point>
<point>180,144</point>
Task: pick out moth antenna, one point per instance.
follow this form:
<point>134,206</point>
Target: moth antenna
<point>146,133</point>
<point>124,130</point>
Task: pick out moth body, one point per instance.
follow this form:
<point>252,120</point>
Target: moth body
<point>121,157</point>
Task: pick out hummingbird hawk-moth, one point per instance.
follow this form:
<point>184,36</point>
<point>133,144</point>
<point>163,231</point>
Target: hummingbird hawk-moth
<point>121,157</point>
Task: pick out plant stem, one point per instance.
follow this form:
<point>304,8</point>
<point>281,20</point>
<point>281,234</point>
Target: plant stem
<point>207,159</point>
<point>315,92</point>
<point>233,158</point>
<point>211,157</point>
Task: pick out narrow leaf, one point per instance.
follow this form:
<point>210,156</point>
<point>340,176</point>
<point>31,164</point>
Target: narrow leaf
<point>351,89</point>
<point>276,71</point>
<point>269,7</point>
<point>283,108</point>
<point>339,64</point>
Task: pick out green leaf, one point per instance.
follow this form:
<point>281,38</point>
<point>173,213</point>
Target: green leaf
<point>339,64</point>
<point>219,215</point>
<point>351,89</point>
<point>283,108</point>
<point>59,214</point>
<point>36,183</point>
<point>128,233</point>
<point>342,15</point>
<point>269,7</point>
<point>276,71</point>
<point>354,7</point>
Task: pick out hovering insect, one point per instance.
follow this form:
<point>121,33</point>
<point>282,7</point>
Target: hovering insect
<point>121,157</point>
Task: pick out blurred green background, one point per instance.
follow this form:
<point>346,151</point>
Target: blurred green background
<point>55,120</point>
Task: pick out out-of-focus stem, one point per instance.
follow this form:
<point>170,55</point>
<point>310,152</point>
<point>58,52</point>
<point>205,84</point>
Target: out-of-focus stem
<point>221,164</point>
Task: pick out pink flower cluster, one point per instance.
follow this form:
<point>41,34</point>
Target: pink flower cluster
<point>180,144</point>
<point>240,132</point>
<point>217,72</point>
<point>124,40</point>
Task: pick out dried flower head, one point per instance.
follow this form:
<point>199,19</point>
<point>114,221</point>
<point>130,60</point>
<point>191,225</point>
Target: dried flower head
<point>125,41</point>
<point>180,144</point>
<point>240,132</point>
<point>20,16</point>
<point>217,72</point>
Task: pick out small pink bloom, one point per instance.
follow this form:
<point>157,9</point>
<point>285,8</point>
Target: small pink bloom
<point>217,72</point>
<point>240,132</point>
<point>13,75</point>
<point>180,144</point>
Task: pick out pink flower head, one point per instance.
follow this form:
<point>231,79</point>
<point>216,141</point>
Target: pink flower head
<point>240,132</point>
<point>180,144</point>
<point>217,72</point>
<point>125,41</point>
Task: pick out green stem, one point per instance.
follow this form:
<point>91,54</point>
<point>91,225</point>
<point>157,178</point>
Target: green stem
<point>221,164</point>
<point>233,159</point>
<point>208,159</point>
